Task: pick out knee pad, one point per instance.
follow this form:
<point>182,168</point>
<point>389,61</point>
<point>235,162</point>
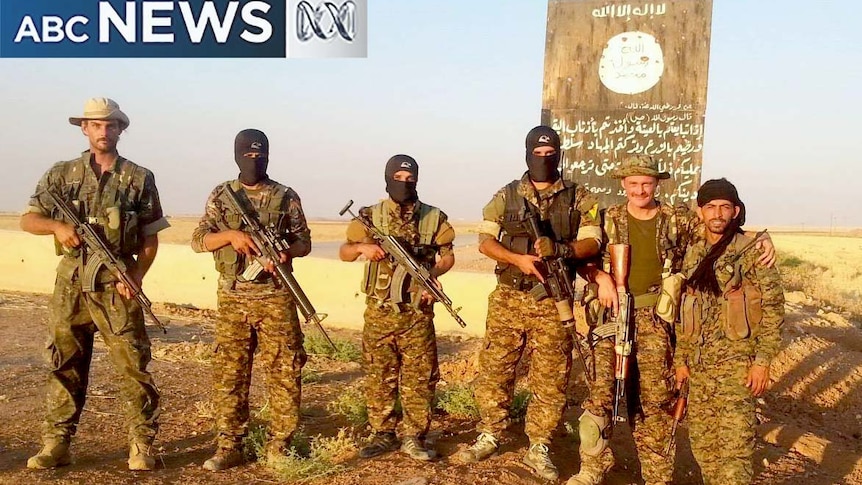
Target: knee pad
<point>591,429</point>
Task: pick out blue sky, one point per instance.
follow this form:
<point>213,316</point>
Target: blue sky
<point>456,84</point>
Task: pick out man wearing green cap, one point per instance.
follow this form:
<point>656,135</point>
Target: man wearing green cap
<point>658,235</point>
<point>729,332</point>
<point>119,198</point>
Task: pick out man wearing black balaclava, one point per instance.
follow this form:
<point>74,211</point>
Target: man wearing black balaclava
<point>255,310</point>
<point>568,219</point>
<point>728,333</point>
<point>398,341</point>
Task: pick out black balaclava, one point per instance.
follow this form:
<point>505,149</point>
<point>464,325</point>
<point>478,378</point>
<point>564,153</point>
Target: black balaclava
<point>543,168</point>
<point>401,192</point>
<point>251,170</point>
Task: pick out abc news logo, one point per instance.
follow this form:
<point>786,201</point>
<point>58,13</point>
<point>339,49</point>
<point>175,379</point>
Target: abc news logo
<point>202,28</point>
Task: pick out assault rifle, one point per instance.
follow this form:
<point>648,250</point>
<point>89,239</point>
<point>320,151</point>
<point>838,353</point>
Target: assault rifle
<point>623,321</point>
<point>559,286</point>
<point>271,244</point>
<point>679,410</point>
<point>95,254</point>
<point>402,257</point>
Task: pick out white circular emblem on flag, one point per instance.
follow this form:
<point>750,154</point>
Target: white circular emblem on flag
<point>631,63</point>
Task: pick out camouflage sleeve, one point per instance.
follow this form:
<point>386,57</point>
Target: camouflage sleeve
<point>209,222</point>
<point>298,234</point>
<point>152,218</point>
<point>492,216</point>
<point>689,225</point>
<point>40,203</point>
<point>590,225</point>
<point>445,237</point>
<point>768,338</point>
<point>356,232</point>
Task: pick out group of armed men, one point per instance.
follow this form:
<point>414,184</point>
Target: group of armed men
<point>704,309</point>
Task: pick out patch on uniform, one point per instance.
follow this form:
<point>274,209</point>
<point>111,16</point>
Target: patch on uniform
<point>594,211</point>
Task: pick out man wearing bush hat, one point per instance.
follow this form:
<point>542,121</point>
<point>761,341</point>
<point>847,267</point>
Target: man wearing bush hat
<point>120,199</point>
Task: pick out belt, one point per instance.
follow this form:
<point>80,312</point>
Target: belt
<point>646,300</point>
<point>520,283</point>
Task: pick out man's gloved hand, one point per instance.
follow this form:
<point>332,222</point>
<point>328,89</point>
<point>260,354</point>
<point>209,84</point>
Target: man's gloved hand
<point>547,248</point>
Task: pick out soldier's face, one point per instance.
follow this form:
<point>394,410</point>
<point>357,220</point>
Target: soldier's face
<point>640,190</point>
<point>403,176</point>
<point>717,214</point>
<point>103,135</point>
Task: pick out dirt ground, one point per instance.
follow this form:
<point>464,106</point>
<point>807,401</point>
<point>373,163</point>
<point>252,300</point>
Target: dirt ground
<point>811,421</point>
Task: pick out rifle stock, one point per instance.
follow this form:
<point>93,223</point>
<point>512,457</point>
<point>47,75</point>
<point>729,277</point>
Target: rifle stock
<point>401,256</point>
<point>624,340</point>
<point>271,245</point>
<point>97,254</point>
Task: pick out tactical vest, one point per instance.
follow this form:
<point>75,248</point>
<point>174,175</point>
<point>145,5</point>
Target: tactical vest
<point>271,212</point>
<point>561,226</point>
<point>741,303</point>
<point>379,275</point>
<point>113,211</point>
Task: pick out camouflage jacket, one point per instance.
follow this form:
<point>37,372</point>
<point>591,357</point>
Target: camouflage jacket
<point>678,228</point>
<point>123,204</point>
<point>712,344</point>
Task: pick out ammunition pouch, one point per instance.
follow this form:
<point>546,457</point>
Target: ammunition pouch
<point>691,316</point>
<point>743,311</point>
<point>669,298</point>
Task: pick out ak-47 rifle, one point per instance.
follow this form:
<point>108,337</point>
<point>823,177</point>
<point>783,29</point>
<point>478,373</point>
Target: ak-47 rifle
<point>623,320</point>
<point>95,254</point>
<point>559,286</point>
<point>679,410</point>
<point>271,244</point>
<point>402,257</point>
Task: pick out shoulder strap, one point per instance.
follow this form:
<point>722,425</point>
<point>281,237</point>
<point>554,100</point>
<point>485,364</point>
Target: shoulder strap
<point>429,222</point>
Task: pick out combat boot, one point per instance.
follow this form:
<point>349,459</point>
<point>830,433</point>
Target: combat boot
<point>537,458</point>
<point>223,459</point>
<point>140,457</point>
<point>414,448</point>
<point>585,477</point>
<point>486,445</point>
<point>54,453</point>
<point>380,443</point>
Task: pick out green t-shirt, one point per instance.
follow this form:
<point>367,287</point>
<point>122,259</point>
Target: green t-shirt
<point>645,268</point>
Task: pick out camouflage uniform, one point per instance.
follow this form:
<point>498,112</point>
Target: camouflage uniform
<point>517,323</point>
<point>721,410</point>
<point>254,313</point>
<point>399,348</point>
<point>123,204</point>
<point>676,229</point>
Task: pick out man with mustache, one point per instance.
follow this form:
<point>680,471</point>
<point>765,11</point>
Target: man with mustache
<point>729,331</point>
<point>399,347</point>
<point>517,323</point>
<point>255,310</point>
<point>658,235</point>
<point>120,200</point>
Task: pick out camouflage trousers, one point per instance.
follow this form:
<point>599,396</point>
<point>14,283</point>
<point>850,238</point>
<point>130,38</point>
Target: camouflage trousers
<point>721,419</point>
<point>251,317</point>
<point>74,319</point>
<point>653,392</point>
<point>399,352</point>
<point>517,324</point>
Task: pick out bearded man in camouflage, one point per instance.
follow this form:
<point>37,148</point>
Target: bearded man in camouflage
<point>119,199</point>
<point>518,324</point>
<point>399,346</point>
<point>255,309</point>
<point>729,332</point>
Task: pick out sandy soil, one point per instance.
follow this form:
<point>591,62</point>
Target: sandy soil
<point>810,423</point>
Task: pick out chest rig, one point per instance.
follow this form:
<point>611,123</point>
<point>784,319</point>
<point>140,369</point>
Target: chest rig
<point>560,222</point>
<point>269,203</point>
<point>386,281</point>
